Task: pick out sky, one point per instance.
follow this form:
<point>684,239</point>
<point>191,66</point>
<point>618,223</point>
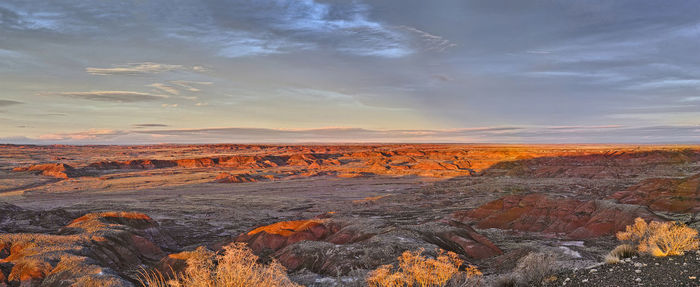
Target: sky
<point>181,71</point>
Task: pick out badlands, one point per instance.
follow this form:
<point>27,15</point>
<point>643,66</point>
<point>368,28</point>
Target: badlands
<point>100,215</point>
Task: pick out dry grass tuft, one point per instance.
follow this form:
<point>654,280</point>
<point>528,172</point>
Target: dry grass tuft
<point>620,252</point>
<point>535,268</point>
<point>416,270</point>
<point>237,266</point>
<point>660,239</point>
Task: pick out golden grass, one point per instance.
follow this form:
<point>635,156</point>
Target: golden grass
<point>416,270</point>
<point>237,266</point>
<point>660,238</point>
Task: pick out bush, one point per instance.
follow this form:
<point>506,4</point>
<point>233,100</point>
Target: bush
<point>237,266</point>
<point>660,238</point>
<point>416,270</point>
<point>620,252</point>
<point>534,268</point>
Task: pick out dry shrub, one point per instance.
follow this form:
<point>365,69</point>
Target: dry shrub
<point>620,252</point>
<point>416,270</point>
<point>609,259</point>
<point>660,238</point>
<point>236,266</point>
<point>534,268</point>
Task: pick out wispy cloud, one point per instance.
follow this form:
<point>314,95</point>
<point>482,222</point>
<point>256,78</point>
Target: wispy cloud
<point>138,126</point>
<point>429,41</point>
<point>92,134</point>
<point>5,103</point>
<point>190,85</point>
<point>165,88</point>
<point>111,96</point>
<point>139,68</point>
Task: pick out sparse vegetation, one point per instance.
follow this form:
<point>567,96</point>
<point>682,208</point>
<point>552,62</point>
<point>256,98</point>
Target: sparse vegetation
<point>417,270</point>
<point>532,270</point>
<point>660,238</point>
<point>620,252</point>
<point>236,266</point>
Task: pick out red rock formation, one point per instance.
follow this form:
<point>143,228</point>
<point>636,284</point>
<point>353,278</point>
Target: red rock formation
<point>175,263</point>
<point>301,159</point>
<point>134,236</point>
<point>196,162</point>
<point>612,164</point>
<point>245,162</point>
<point>226,177</point>
<point>429,165</point>
<point>470,242</point>
<point>570,218</point>
<point>278,235</point>
<point>132,164</point>
<point>665,194</point>
<point>85,251</point>
<point>57,170</point>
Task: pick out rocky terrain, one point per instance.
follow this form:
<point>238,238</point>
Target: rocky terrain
<point>638,271</point>
<point>98,214</point>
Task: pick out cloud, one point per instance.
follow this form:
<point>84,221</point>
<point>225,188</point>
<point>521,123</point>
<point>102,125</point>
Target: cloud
<point>505,134</point>
<point>165,88</point>
<point>138,68</point>
<point>429,41</point>
<point>278,27</point>
<point>5,103</point>
<point>92,134</point>
<point>112,96</point>
<point>149,125</point>
<point>175,87</point>
<point>190,85</point>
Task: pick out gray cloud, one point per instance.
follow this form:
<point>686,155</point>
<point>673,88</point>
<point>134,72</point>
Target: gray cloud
<point>5,103</point>
<point>378,65</point>
<point>111,96</point>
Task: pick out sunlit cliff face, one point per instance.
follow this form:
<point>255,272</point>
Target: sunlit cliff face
<point>348,71</point>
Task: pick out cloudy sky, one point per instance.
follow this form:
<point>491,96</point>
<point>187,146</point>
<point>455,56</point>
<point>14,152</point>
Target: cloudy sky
<point>140,71</point>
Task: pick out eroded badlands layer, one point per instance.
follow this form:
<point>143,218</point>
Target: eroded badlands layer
<point>98,213</point>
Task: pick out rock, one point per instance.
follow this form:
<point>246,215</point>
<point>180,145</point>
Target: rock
<point>57,170</point>
<point>90,250</point>
<point>665,194</point>
<point>276,236</point>
<point>551,215</point>
<point>612,164</point>
<point>14,219</point>
<point>226,177</point>
<point>175,263</point>
<point>197,162</point>
<point>463,239</point>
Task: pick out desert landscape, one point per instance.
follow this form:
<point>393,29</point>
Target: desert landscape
<point>331,214</point>
<point>335,143</point>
